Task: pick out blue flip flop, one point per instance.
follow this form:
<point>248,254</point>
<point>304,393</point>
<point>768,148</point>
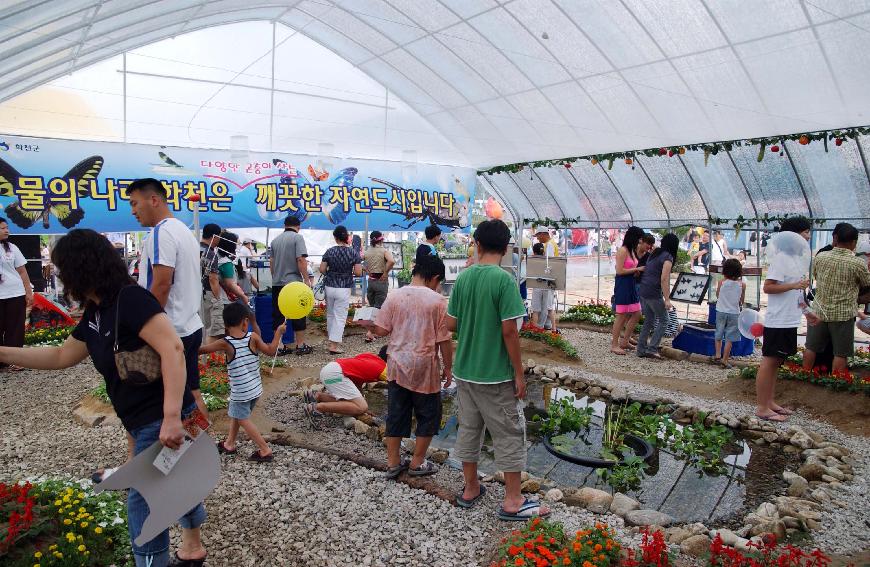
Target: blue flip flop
<point>530,509</point>
<point>463,503</point>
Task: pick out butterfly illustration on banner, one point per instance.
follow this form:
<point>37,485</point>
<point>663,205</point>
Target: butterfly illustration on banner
<point>332,211</point>
<point>83,174</point>
<point>459,219</point>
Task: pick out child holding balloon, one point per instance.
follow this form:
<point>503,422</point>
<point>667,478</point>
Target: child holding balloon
<point>730,293</point>
<point>243,368</point>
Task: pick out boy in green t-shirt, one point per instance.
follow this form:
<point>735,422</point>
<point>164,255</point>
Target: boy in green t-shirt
<point>485,309</point>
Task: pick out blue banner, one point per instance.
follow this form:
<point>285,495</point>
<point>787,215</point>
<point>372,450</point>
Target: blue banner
<point>49,186</point>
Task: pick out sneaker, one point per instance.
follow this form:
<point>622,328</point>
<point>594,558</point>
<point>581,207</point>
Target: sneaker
<point>284,351</point>
<point>425,469</point>
<point>313,415</point>
<point>309,397</point>
<point>304,349</point>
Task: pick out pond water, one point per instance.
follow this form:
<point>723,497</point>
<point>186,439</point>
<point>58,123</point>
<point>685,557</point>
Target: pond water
<point>685,492</point>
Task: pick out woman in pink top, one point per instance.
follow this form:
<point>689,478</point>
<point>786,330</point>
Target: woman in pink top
<point>625,296</point>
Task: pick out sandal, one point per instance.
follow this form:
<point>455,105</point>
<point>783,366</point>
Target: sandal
<point>177,561</point>
<point>784,411</point>
<point>258,458</point>
<point>530,509</point>
<point>303,350</point>
<point>224,451</point>
<point>775,417</point>
<point>370,339</point>
<point>313,415</point>
<point>394,472</point>
<point>463,503</point>
<point>618,351</point>
<point>426,468</point>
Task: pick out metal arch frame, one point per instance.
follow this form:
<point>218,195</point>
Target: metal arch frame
<point>798,177</point>
<point>515,207</point>
<point>586,195</point>
<point>743,183</point>
<point>656,189</point>
<point>547,189</point>
<point>510,204</point>
<point>618,192</point>
<point>695,185</point>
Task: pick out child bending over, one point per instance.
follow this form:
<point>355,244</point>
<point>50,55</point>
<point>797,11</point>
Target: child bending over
<point>342,380</point>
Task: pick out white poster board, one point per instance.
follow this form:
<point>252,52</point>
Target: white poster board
<point>453,266</point>
<point>542,273</point>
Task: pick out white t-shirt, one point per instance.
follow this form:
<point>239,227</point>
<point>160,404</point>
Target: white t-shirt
<point>171,244</point>
<point>244,255</point>
<point>783,309</point>
<point>12,284</point>
<point>717,253</point>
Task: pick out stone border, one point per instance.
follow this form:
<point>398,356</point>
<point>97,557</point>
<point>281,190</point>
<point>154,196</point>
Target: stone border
<point>824,465</point>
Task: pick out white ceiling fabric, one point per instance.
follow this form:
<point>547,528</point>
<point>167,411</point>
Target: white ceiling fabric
<point>467,82</point>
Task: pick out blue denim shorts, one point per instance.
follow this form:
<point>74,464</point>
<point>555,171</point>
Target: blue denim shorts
<point>726,327</point>
<point>241,410</point>
<point>155,553</point>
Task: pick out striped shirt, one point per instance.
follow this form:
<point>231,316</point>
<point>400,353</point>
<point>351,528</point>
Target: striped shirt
<point>839,274</point>
<point>244,370</point>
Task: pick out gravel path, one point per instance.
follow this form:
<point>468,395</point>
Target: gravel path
<point>594,349</point>
<point>303,509</point>
<point>307,508</point>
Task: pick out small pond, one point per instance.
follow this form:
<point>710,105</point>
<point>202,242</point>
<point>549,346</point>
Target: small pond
<point>685,492</point>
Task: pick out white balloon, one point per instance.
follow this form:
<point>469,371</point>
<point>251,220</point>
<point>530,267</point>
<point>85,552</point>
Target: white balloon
<point>746,319</point>
<point>790,253</point>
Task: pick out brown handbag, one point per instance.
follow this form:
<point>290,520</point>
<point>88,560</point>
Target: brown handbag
<point>140,366</point>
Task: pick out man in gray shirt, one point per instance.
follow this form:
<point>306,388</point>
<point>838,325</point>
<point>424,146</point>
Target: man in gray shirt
<point>289,263</point>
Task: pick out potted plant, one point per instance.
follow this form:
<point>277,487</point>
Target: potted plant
<point>403,276</point>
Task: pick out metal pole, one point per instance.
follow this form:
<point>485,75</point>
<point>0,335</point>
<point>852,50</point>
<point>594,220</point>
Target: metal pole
<point>758,263</point>
<point>365,279</point>
<point>598,252</point>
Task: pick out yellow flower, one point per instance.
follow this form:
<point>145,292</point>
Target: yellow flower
<point>66,498</point>
<point>52,547</point>
<point>81,548</point>
<point>98,530</point>
<point>38,554</point>
<point>58,502</point>
<point>84,524</point>
<point>36,565</point>
<point>81,495</point>
<point>76,502</point>
<point>67,522</point>
<point>58,554</point>
<point>82,511</point>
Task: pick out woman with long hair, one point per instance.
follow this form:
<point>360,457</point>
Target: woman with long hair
<point>340,265</point>
<point>150,411</point>
<point>16,293</point>
<point>626,301</point>
<point>654,286</point>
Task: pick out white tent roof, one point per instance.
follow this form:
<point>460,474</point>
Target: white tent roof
<point>471,82</point>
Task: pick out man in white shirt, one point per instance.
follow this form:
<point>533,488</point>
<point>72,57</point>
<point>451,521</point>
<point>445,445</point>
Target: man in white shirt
<point>170,269</point>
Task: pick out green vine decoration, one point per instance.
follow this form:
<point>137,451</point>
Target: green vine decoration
<point>737,224</point>
<point>774,143</point>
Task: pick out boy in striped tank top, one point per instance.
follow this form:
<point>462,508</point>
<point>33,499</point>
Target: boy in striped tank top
<point>243,368</point>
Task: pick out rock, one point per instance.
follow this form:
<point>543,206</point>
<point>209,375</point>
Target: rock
<point>360,428</point>
<point>622,504</point>
<point>767,510</point>
<point>815,436</point>
<point>647,518</point>
<point>88,417</point>
<point>595,391</point>
<point>531,485</point>
<point>777,528</point>
<point>836,473</point>
<point>798,486</point>
<point>554,495</point>
<point>770,436</point>
<point>619,394</point>
<point>440,457</point>
<point>551,374</point>
<point>374,433</point>
<point>677,535</point>
<point>570,498</point>
<point>545,380</point>
<point>539,370</point>
<point>789,476</point>
<point>812,471</point>
<point>727,536</point>
<point>791,449</point>
<point>530,363</point>
<point>696,546</point>
<point>594,500</point>
<point>802,439</point>
<point>820,495</point>
<point>409,445</point>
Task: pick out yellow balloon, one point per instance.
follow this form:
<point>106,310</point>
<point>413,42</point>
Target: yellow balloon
<point>295,300</point>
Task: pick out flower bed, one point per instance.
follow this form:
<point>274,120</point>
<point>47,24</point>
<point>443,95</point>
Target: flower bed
<point>841,381</point>
<point>598,313</point>
<point>213,382</point>
<point>57,522</point>
<point>541,543</point>
<point>43,334</point>
<point>551,338</point>
<point>318,314</point>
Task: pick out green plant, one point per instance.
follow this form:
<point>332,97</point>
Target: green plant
<point>702,444</point>
<point>214,402</point>
<point>62,523</point>
<point>551,338</point>
<point>625,475</point>
<point>564,417</point>
<point>44,335</point>
<point>101,394</point>
<point>404,275</point>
